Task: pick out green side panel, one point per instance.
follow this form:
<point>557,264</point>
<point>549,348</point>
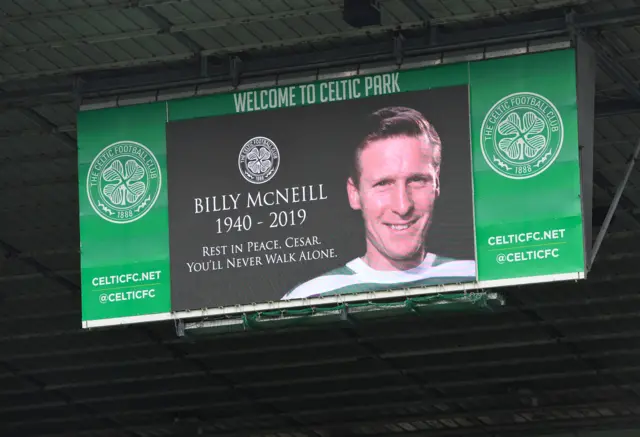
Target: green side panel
<point>526,166</point>
<point>124,236</point>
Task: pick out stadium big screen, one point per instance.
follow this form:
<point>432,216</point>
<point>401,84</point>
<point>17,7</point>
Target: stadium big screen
<point>425,180</point>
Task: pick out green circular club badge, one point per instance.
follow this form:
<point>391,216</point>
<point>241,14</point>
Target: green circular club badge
<point>521,135</point>
<point>123,182</point>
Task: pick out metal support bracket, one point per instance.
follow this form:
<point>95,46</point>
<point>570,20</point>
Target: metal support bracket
<point>398,46</point>
<point>614,204</point>
<point>78,84</point>
<point>433,34</point>
<point>204,66</point>
<point>346,317</point>
<point>418,10</point>
<point>570,18</point>
<point>180,328</point>
<point>235,64</point>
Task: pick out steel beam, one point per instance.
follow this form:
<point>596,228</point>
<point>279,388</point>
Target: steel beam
<point>607,60</point>
<point>530,427</point>
<point>447,357</point>
<point>614,204</point>
<point>616,107</point>
<point>82,409</point>
<point>131,81</point>
<point>416,8</point>
<point>165,27</point>
<point>614,18</point>
<point>11,251</point>
<point>48,126</point>
<point>8,135</point>
<point>188,73</point>
<point>118,5</point>
<point>333,426</point>
<point>37,95</point>
<point>537,29</point>
<point>607,57</point>
<point>548,411</point>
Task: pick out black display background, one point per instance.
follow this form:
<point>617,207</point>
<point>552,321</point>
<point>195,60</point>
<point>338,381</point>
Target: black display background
<point>315,144</point>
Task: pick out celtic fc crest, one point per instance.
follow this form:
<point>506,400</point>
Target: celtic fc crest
<point>259,160</point>
<point>123,182</point>
<point>522,135</point>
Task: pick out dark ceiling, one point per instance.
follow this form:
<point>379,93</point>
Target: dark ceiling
<point>554,358</point>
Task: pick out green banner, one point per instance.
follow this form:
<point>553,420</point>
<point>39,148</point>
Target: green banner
<point>124,242</point>
<point>526,166</point>
<point>171,193</point>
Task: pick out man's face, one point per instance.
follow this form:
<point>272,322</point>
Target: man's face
<point>397,190</point>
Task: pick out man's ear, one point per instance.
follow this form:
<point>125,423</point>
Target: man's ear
<point>353,194</point>
<point>437,185</point>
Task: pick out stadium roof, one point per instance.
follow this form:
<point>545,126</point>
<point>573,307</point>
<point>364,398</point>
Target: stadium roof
<point>555,358</point>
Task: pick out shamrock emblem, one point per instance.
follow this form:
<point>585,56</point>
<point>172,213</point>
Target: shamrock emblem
<point>522,136</point>
<point>259,160</point>
<point>126,185</point>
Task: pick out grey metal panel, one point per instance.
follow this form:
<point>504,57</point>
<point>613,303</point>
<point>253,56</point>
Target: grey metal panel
<point>213,89</point>
<point>586,84</point>
<point>177,93</point>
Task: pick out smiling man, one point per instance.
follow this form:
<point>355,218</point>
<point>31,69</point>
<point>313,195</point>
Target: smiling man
<point>394,182</point>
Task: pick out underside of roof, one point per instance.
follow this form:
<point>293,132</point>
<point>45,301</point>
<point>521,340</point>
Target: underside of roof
<point>554,358</point>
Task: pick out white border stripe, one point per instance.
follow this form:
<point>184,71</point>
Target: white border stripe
<point>357,297</point>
